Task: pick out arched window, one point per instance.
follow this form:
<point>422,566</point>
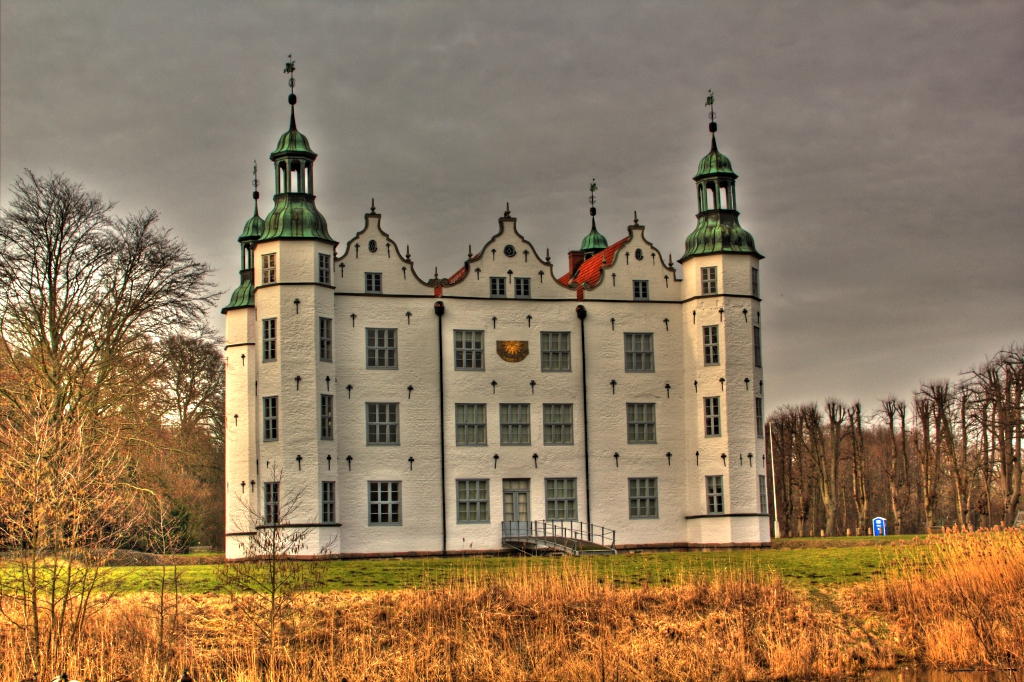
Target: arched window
<point>309,178</point>
<point>710,197</point>
<point>282,178</point>
<point>296,178</point>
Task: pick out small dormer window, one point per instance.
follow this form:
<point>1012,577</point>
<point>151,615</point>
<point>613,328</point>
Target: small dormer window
<point>640,292</point>
<point>709,281</point>
<point>373,283</point>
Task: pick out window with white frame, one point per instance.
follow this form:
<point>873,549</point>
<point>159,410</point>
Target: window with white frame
<point>711,345</point>
<point>269,268</point>
<point>712,417</point>
<point>757,346</point>
<point>385,500</point>
<point>498,287</point>
<point>469,349</point>
<point>270,418</point>
<point>759,416</point>
<point>382,423</point>
<point>326,417</point>
<point>762,486</point>
<point>381,348</point>
<point>326,349</point>
<point>639,352</point>
<point>716,496</point>
<point>709,280</point>
<point>514,423</point>
<point>755,285</point>
<point>554,352</point>
<point>640,290</point>
<point>558,424</point>
<point>324,269</point>
<point>640,423</point>
<point>522,289</point>
<point>471,500</point>
<point>643,498</point>
<point>271,504</point>
<point>373,282</point>
<point>470,424</point>
<point>327,514</point>
<point>270,339</point>
<point>560,499</point>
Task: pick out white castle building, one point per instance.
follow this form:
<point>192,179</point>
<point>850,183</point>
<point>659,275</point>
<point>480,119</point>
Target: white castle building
<point>509,406</point>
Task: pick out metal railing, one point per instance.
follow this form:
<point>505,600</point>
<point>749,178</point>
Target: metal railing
<point>574,535</point>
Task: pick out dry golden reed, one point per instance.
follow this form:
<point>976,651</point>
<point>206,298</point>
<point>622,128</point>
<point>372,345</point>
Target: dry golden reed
<point>957,607</point>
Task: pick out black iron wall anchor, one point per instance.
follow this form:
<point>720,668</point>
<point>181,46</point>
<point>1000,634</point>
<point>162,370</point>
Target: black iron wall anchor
<point>477,270</point>
<point>328,462</point>
<point>353,316</point>
<point>695,317</point>
<point>494,386</point>
<point>509,276</point>
<point>750,459</point>
<point>694,385</point>
<point>243,487</point>
<point>298,458</point>
<point>495,460</point>
<point>236,420</point>
<point>613,386</point>
<point>252,484</point>
<point>526,255</point>
<point>349,389</point>
<point>296,302</point>
<point>349,460</point>
<point>408,317</point>
<point>403,272</point>
<point>760,385</point>
<point>747,382</point>
<point>616,456</point>
<point>328,384</point>
<point>532,384</point>
<point>243,359</point>
<point>697,453</point>
<point>342,267</point>
<point>669,456</point>
<point>494,252</point>
<point>668,390</point>
<point>666,322</point>
<point>529,320</point>
<point>409,388</point>
<point>724,463</point>
<point>721,380</point>
<point>535,460</point>
<point>541,274</point>
<point>297,380</point>
<point>721,314</point>
<point>494,321</point>
<point>613,324</point>
<point>411,460</point>
<point>744,314</point>
<point>613,279</point>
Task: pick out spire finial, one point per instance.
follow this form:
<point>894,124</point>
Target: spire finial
<point>255,182</point>
<point>593,199</point>
<point>373,206</point>
<point>470,250</point>
<point>636,221</point>
<point>508,211</point>
<point>289,68</point>
<point>710,102</point>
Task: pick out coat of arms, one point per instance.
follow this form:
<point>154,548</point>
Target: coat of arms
<point>513,351</point>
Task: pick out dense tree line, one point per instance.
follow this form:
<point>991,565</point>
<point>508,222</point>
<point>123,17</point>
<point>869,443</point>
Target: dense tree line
<point>951,455</point>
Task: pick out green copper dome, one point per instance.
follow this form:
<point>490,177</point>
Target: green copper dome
<point>243,296</point>
<point>295,217</point>
<point>253,227</point>
<point>292,143</point>
<point>719,233</point>
<point>594,241</point>
<point>715,163</point>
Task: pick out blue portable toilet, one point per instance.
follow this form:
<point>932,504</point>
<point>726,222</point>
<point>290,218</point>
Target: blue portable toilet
<point>878,525</point>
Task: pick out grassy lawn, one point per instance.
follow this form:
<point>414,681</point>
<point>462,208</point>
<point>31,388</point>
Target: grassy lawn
<point>807,562</point>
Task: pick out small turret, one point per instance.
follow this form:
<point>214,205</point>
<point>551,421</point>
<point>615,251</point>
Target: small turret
<point>242,297</point>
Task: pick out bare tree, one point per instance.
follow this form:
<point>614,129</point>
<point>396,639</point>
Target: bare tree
<point>894,412</point>
<point>858,460</point>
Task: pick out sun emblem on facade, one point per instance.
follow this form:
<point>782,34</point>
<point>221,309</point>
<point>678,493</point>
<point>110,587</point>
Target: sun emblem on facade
<point>513,351</point>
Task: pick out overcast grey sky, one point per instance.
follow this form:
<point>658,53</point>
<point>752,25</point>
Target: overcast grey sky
<point>879,146</point>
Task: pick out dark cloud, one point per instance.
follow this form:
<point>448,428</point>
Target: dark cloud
<point>879,146</point>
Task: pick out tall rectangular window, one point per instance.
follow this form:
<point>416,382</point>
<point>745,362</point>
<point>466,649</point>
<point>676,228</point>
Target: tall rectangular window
<point>762,486</point>
<point>326,417</point>
<point>514,422</point>
<point>640,423</point>
<point>324,269</point>
<point>711,345</point>
<point>558,424</point>
<point>381,348</point>
<point>716,496</point>
<point>326,351</point>
<point>759,416</point>
<point>640,290</point>
<point>522,287</point>
<point>470,424</point>
<point>554,352</point>
<point>497,287</point>
<point>709,280</point>
<point>471,498</point>
<point>271,508</point>
<point>382,423</point>
<point>755,285</point>
<point>712,418</point>
<point>639,352</point>
<point>270,418</point>
<point>270,339</point>
<point>643,498</point>
<point>327,514</point>
<point>269,268</point>
<point>385,503</point>
<point>560,498</point>
<point>373,282</point>
<point>757,346</point>
<point>469,349</point>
